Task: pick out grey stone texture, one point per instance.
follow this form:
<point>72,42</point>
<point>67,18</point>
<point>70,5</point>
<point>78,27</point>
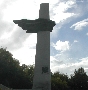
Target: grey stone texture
<point>44,11</point>
<point>34,26</point>
<point>42,74</point>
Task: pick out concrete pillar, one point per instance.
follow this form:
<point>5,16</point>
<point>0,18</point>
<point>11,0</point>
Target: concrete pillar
<point>44,11</point>
<point>42,74</point>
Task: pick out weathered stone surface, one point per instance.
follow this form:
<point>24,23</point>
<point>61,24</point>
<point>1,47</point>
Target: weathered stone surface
<point>34,26</point>
<point>42,73</point>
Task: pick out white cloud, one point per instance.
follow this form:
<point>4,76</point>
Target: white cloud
<point>31,41</point>
<point>75,41</point>
<point>84,59</point>
<point>55,32</point>
<point>58,60</point>
<point>60,16</point>
<point>87,34</point>
<point>20,9</point>
<point>30,10</point>
<point>25,55</point>
<point>26,51</point>
<point>69,67</point>
<point>46,1</point>
<point>1,1</point>
<point>59,11</point>
<point>62,46</point>
<point>80,25</point>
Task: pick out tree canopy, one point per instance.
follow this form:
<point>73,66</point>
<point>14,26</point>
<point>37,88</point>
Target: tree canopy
<point>79,80</point>
<point>15,76</point>
<point>12,74</point>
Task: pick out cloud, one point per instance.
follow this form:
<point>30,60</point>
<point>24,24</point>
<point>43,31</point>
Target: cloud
<point>79,25</point>
<point>31,41</point>
<point>75,41</point>
<point>58,62</point>
<point>59,59</point>
<point>80,7</point>
<point>26,51</point>
<point>55,60</point>
<point>22,45</point>
<point>69,60</point>
<point>20,9</point>
<point>13,39</point>
<point>87,34</point>
<point>62,46</point>
<point>69,67</point>
<point>55,31</point>
<point>25,55</point>
<point>58,12</point>
<point>11,35</point>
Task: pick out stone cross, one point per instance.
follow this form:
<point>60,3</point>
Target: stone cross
<point>42,26</point>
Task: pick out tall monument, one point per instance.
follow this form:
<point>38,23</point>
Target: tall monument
<point>42,26</point>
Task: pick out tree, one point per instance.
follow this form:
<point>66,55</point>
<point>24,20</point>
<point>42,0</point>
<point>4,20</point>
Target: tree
<point>12,74</point>
<point>29,73</point>
<point>59,81</point>
<point>15,76</point>
<point>79,80</point>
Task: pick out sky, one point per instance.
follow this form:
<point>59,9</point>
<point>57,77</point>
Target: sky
<point>68,39</point>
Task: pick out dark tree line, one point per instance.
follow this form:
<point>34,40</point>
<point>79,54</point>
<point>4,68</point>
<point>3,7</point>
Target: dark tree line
<point>15,76</point>
<point>77,81</point>
<point>12,74</point>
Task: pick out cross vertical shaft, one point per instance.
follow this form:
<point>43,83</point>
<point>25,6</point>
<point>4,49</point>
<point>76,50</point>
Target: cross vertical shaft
<point>42,76</point>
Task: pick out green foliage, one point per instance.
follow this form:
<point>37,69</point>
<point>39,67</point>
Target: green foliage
<point>28,71</point>
<point>59,81</point>
<point>12,74</point>
<point>79,80</point>
<point>15,76</point>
